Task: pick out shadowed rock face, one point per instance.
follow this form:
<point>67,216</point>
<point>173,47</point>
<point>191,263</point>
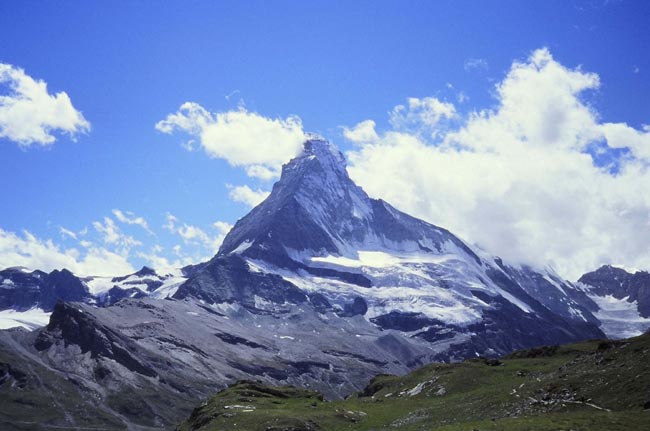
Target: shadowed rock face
<point>73,326</point>
<point>22,290</point>
<point>316,206</point>
<point>147,362</point>
<point>315,210</point>
<point>228,279</point>
<point>609,280</point>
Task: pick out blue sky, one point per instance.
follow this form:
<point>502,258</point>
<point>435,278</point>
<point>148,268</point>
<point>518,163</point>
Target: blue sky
<point>127,65</point>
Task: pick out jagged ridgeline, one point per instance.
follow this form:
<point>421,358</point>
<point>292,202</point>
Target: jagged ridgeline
<point>319,286</point>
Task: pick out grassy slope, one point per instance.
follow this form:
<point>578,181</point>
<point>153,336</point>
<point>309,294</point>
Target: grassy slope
<point>588,386</point>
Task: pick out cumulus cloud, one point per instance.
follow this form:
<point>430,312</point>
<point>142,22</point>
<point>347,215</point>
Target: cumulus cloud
<point>523,179</point>
<point>31,252</point>
<point>222,227</point>
<point>128,217</point>
<point>195,236</point>
<point>247,195</point>
<point>421,114</point>
<point>29,114</point>
<point>157,259</point>
<point>364,132</point>
<point>425,116</point>
<point>113,235</point>
<point>247,139</point>
<point>107,250</point>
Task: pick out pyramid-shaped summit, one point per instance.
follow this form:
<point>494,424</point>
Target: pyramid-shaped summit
<point>321,233</point>
<point>316,210</point>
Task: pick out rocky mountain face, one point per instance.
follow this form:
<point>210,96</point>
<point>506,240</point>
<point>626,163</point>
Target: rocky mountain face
<point>144,363</point>
<point>21,290</point>
<point>319,286</point>
<point>323,233</point>
<point>623,300</point>
<point>608,280</point>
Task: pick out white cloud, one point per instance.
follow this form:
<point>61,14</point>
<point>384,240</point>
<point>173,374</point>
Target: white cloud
<point>113,235</point>
<point>161,263</point>
<point>474,64</point>
<point>66,232</point>
<point>29,114</point>
<point>222,227</point>
<point>107,250</point>
<point>170,222</point>
<point>246,195</point>
<point>130,218</point>
<point>194,235</point>
<point>264,173</point>
<point>619,135</point>
<point>233,94</point>
<point>519,179</point>
<point>34,253</point>
<point>421,114</point>
<point>243,138</point>
<point>361,133</point>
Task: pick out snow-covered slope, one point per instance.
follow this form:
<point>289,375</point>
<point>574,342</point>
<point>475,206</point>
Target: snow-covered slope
<point>27,297</point>
<point>623,300</point>
<point>144,283</point>
<point>320,238</point>
<point>28,319</point>
<point>316,210</point>
<point>619,318</point>
<point>324,234</point>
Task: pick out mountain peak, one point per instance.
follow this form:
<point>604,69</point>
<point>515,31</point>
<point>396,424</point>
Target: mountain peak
<point>315,209</point>
<point>146,270</point>
<point>322,149</point>
<point>319,158</point>
<point>305,205</point>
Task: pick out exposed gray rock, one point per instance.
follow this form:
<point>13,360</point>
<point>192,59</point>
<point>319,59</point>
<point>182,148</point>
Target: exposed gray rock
<point>609,280</point>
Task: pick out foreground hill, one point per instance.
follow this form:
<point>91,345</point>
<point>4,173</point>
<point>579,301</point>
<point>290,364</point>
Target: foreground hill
<point>594,385</point>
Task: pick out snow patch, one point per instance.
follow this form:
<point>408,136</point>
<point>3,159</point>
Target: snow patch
<point>98,285</point>
<point>242,247</point>
<point>381,259</point>
<point>31,319</point>
<point>169,287</point>
<point>416,390</point>
<point>619,318</point>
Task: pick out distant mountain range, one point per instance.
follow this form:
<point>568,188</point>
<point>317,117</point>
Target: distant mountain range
<point>319,286</point>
